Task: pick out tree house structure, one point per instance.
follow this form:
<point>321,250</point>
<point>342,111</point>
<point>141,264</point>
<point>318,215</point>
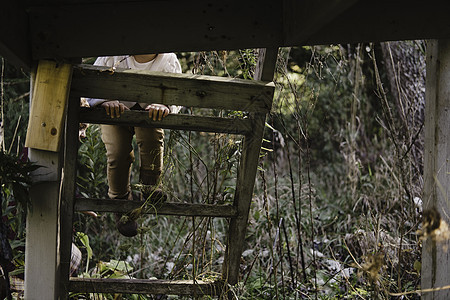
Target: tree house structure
<point>48,36</point>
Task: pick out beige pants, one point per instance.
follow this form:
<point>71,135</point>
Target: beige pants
<point>120,155</point>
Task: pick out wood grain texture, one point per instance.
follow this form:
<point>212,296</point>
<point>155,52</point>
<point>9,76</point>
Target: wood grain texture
<point>41,265</point>
<point>246,177</point>
<point>172,121</point>
<point>172,89</point>
<point>141,286</point>
<point>124,28</point>
<point>212,25</point>
<point>66,205</point>
<point>168,208</point>
<point>48,106</point>
<point>435,254</point>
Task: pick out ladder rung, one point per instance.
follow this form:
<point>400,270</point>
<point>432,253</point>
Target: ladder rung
<point>145,286</point>
<point>172,89</point>
<point>172,121</point>
<point>168,208</point>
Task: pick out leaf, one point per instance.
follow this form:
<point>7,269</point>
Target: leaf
<point>84,239</point>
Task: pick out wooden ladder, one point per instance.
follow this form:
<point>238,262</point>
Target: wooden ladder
<point>254,97</point>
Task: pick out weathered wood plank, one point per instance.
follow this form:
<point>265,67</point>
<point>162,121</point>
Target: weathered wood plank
<point>193,26</point>
<point>242,199</point>
<point>228,25</point>
<point>41,277</point>
<point>386,20</point>
<point>14,35</point>
<point>304,18</point>
<point>246,178</point>
<point>172,121</point>
<point>48,105</point>
<point>172,89</point>
<point>168,208</point>
<point>435,254</point>
<point>141,286</point>
<point>66,205</point>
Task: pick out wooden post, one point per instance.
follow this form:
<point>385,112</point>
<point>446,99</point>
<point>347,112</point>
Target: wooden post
<point>436,255</point>
<point>247,174</point>
<point>42,257</point>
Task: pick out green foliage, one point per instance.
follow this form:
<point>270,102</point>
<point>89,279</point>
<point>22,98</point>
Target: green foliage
<point>15,182</point>
<point>92,165</point>
<point>15,86</point>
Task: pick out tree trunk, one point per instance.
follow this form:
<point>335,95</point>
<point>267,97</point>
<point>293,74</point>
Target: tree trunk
<point>405,69</point>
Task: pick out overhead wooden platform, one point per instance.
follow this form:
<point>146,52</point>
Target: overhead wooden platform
<point>39,29</point>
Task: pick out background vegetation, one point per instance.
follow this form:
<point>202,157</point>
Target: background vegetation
<point>336,204</point>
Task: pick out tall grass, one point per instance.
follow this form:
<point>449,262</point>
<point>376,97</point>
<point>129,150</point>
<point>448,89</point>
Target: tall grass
<point>332,215</point>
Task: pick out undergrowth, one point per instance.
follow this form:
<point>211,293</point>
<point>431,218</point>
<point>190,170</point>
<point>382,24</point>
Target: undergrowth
<point>336,204</point>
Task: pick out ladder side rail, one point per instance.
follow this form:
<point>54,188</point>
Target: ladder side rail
<point>172,89</point>
<point>247,175</point>
<point>68,192</point>
<point>242,200</point>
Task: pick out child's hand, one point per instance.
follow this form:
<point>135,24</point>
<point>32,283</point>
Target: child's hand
<point>157,111</point>
<point>114,108</point>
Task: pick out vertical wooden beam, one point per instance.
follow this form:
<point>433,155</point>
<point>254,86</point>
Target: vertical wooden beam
<point>68,193</point>
<point>42,240</point>
<point>436,255</point>
<point>42,224</point>
<point>247,173</point>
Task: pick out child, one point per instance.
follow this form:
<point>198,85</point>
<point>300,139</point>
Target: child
<point>118,139</point>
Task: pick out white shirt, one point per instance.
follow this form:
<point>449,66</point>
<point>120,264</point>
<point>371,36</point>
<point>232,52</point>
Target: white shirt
<point>163,62</point>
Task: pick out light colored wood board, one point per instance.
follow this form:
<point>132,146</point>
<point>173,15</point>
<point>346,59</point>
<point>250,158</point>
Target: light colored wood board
<point>42,226</point>
<point>50,169</point>
<point>41,277</point>
<point>172,121</point>
<point>140,286</point>
<point>168,88</point>
<point>435,255</point>
<point>14,36</point>
<point>168,208</point>
<point>193,26</point>
<point>48,105</point>
<point>66,206</point>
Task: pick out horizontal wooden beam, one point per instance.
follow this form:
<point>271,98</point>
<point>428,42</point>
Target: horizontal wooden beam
<point>172,89</point>
<point>172,121</point>
<point>87,29</point>
<point>14,37</point>
<point>168,208</point>
<point>125,28</point>
<point>140,286</point>
<point>386,20</point>
<point>304,18</point>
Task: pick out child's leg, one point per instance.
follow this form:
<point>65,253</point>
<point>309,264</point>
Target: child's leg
<point>119,152</point>
<point>151,150</point>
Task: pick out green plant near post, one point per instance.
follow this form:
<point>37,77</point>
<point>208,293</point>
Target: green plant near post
<point>15,182</point>
<point>92,170</point>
